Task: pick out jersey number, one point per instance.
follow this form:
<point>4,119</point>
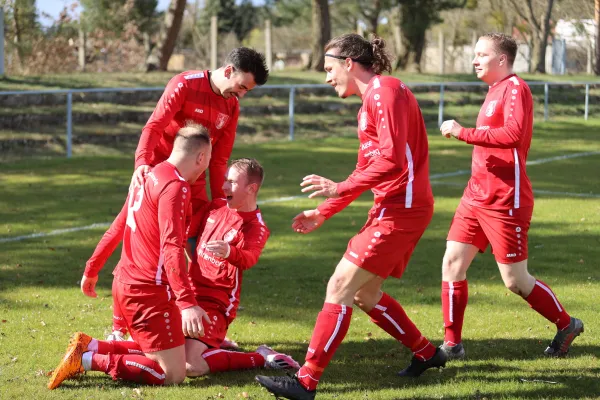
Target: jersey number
<point>135,202</point>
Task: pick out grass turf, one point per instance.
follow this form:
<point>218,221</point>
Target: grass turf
<point>40,304</point>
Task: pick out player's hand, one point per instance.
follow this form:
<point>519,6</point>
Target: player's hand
<point>320,186</point>
<point>191,321</point>
<point>139,175</point>
<point>450,128</point>
<point>219,248</point>
<point>307,221</point>
<point>88,286</point>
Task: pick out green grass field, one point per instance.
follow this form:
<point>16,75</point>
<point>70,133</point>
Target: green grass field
<point>41,305</point>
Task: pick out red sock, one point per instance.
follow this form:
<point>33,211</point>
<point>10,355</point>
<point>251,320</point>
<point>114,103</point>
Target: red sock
<point>118,347</point>
<point>330,329</point>
<point>544,301</point>
<point>455,296</point>
<point>129,367</point>
<point>223,360</point>
<point>389,315</point>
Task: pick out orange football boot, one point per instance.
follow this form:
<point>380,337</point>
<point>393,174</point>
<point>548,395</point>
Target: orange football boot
<point>70,366</point>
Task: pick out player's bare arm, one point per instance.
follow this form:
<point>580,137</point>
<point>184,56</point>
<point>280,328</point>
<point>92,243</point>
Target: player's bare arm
<point>320,186</point>
<point>450,128</point>
<point>307,221</point>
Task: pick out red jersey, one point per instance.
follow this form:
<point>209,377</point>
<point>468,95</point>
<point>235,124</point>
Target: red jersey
<point>189,96</point>
<point>219,280</point>
<point>502,140</point>
<point>153,242</point>
<point>393,154</point>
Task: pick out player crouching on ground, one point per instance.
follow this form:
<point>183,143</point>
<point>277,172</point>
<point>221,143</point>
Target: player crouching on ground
<point>151,286</point>
<point>231,236</point>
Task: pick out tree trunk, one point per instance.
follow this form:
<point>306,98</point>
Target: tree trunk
<point>543,40</point>
<point>18,38</point>
<point>321,33</point>
<point>597,19</point>
<point>167,37</point>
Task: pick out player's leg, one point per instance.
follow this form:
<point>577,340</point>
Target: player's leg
<point>508,232</point>
<point>119,327</point>
<point>465,239</point>
<point>330,329</point>
<point>543,300</point>
<point>389,315</point>
<point>130,367</point>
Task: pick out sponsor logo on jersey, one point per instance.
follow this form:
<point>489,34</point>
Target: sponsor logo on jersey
<point>194,76</point>
<point>210,259</point>
<point>373,153</point>
<point>199,110</point>
<point>489,111</point>
<point>363,121</point>
<point>212,221</point>
<point>483,128</point>
<point>221,120</point>
<point>510,255</point>
<point>230,235</point>
<point>366,145</point>
<point>353,254</point>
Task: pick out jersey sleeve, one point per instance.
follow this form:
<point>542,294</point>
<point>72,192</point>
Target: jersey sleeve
<point>392,129</point>
<point>170,103</point>
<point>172,206</point>
<point>330,207</point>
<point>246,253</point>
<point>107,245</point>
<point>220,155</point>
<point>517,108</point>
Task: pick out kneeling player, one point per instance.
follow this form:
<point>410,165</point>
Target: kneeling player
<point>231,236</point>
<point>151,286</point>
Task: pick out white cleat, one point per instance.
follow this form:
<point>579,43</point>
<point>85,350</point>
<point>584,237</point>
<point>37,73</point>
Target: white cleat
<point>275,360</point>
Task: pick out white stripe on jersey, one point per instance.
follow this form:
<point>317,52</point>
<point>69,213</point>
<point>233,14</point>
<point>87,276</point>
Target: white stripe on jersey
<point>411,177</point>
<point>233,292</point>
<point>376,83</point>
<point>517,179</point>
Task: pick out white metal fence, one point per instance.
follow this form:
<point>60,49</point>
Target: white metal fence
<point>292,97</point>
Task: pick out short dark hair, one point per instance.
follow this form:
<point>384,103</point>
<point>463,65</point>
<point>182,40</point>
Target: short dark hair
<point>503,44</point>
<point>252,168</point>
<point>191,137</point>
<point>249,60</point>
<point>372,54</point>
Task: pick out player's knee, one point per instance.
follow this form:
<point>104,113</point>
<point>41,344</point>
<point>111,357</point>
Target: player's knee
<point>174,375</point>
<point>514,286</point>
<point>451,264</point>
<point>365,300</point>
<point>337,285</point>
<point>196,369</point>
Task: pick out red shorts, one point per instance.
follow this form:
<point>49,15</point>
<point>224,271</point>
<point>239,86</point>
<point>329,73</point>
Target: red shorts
<point>214,334</point>
<point>505,230</point>
<point>154,321</point>
<point>385,243</point>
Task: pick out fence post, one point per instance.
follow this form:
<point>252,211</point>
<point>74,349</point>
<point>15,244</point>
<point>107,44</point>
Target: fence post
<point>441,107</point>
<point>546,101</point>
<point>291,111</point>
<point>69,124</point>
<point>587,100</point>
